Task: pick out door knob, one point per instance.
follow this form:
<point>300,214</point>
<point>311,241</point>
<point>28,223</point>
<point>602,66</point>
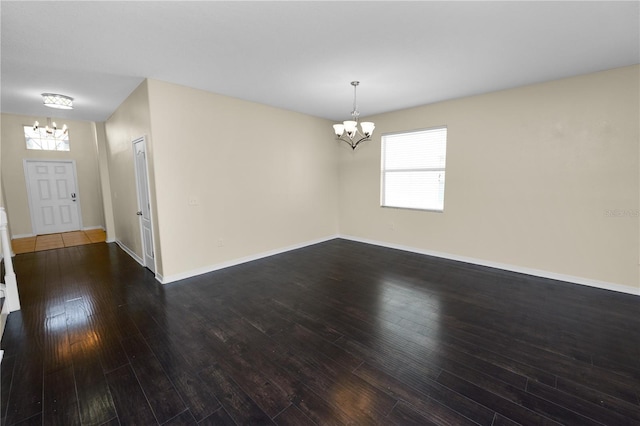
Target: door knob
<point>139,213</point>
<point>73,196</point>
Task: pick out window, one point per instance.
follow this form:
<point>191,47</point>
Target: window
<point>413,169</point>
<point>46,139</point>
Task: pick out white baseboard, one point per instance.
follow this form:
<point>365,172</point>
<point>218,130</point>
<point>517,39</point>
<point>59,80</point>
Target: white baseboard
<point>129,252</point>
<point>15,237</point>
<point>3,320</point>
<point>513,268</point>
<point>234,262</point>
<point>91,228</point>
<point>519,269</point>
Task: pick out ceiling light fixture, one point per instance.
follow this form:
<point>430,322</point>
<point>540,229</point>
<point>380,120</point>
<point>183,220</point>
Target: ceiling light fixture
<point>53,100</point>
<point>348,131</point>
<point>51,129</point>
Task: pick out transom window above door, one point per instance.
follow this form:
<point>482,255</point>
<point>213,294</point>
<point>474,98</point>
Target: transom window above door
<point>46,139</point>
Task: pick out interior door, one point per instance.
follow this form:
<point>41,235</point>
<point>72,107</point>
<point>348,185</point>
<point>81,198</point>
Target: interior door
<point>144,205</point>
<point>53,196</point>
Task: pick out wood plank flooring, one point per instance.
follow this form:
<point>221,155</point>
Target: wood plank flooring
<point>336,333</point>
<point>55,241</point>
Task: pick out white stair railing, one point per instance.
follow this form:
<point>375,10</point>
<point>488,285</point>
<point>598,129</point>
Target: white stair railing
<point>10,286</point>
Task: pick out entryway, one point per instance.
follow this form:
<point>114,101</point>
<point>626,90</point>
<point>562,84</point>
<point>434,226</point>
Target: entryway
<point>60,240</point>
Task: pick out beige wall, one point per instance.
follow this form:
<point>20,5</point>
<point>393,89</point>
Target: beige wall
<point>130,121</point>
<point>532,176</point>
<point>263,178</point>
<point>105,180</point>
<point>83,151</point>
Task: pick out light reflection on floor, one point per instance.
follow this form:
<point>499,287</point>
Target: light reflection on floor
<point>409,313</point>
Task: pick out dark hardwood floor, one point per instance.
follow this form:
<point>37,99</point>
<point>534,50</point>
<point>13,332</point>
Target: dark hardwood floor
<point>336,333</point>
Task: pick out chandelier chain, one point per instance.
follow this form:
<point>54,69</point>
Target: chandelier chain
<point>355,113</point>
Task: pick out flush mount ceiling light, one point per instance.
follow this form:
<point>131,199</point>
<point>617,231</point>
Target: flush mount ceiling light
<point>348,131</point>
<point>53,100</point>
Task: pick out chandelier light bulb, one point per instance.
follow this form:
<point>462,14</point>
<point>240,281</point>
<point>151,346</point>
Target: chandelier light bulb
<point>367,128</point>
<point>51,128</point>
<point>350,127</point>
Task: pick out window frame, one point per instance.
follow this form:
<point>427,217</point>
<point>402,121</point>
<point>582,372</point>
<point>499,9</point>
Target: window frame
<point>25,127</point>
<point>383,171</point>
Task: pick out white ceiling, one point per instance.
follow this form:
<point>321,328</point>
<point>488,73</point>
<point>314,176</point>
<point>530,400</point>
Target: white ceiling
<point>302,55</point>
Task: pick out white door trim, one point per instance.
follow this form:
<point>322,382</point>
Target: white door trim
<point>143,140</point>
<point>25,163</point>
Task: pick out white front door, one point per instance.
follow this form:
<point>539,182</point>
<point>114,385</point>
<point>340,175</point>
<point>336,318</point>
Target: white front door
<point>53,196</point>
<point>144,205</point>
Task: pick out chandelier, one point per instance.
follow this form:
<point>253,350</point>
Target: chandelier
<point>348,131</point>
<point>51,130</point>
<point>53,100</point>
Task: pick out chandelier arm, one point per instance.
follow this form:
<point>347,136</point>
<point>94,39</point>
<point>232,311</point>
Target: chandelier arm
<point>348,143</point>
<point>355,144</point>
<point>363,139</point>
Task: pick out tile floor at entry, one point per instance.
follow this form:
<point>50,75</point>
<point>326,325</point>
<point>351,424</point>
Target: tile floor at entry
<point>54,241</point>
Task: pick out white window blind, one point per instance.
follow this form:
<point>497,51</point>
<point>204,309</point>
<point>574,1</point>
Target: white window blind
<point>413,169</point>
